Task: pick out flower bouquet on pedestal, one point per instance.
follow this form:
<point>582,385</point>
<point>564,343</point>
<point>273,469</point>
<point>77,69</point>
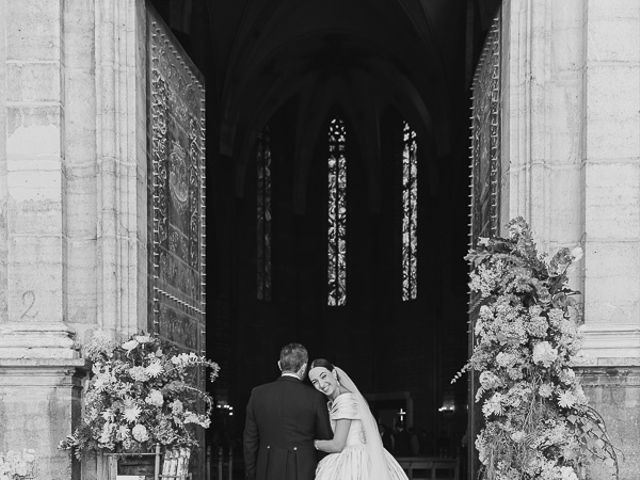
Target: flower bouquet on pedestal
<point>538,423</point>
<point>141,393</point>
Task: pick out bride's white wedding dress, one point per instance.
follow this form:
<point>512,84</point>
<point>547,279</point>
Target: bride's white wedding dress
<point>354,462</point>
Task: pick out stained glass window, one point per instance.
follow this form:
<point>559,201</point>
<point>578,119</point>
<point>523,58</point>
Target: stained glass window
<point>409,214</point>
<point>337,214</point>
<point>263,188</point>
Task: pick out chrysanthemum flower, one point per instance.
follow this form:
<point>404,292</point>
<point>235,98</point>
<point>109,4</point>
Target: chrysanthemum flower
<point>566,400</point>
<point>154,369</point>
<point>131,413</point>
<point>545,390</point>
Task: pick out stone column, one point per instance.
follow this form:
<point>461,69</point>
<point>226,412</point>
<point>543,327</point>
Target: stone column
<point>541,111</point>
<point>121,163</point>
<point>571,131</point>
<point>72,204</point>
<point>38,358</point>
<point>33,183</point>
<point>572,141</point>
<point>611,142</point>
<point>611,159</point>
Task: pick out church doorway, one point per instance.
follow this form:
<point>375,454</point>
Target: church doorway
<point>338,199</point>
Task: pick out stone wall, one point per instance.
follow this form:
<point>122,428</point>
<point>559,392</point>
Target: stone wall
<point>615,393</point>
<point>571,143</point>
<point>72,205</point>
<point>39,401</point>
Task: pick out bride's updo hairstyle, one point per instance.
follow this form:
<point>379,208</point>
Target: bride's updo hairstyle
<point>322,362</point>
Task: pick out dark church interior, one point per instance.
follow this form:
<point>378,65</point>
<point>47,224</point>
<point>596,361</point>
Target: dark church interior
<point>277,74</point>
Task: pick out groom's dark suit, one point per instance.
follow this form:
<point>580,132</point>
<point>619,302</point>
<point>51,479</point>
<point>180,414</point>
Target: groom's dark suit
<point>283,419</point>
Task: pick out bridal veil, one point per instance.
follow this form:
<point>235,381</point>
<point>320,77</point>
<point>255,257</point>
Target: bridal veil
<point>375,449</point>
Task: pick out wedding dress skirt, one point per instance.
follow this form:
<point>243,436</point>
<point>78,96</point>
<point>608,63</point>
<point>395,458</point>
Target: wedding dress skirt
<point>353,462</point>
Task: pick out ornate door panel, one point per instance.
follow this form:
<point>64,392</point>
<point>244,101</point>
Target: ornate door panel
<point>176,196</point>
<point>485,188</point>
<point>485,140</point>
<point>176,166</point>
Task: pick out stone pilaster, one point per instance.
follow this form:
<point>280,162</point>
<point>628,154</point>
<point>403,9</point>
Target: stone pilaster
<point>571,137</point>
<point>121,162</point>
<point>611,157</point>
<point>542,106</point>
<point>33,182</point>
<point>38,356</point>
<point>72,206</point>
<point>572,142</point>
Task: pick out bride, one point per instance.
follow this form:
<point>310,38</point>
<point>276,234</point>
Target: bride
<point>356,451</point>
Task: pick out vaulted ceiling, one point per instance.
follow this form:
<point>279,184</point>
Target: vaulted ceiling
<point>359,55</point>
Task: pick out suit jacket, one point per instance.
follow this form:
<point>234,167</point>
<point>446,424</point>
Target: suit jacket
<point>283,419</point>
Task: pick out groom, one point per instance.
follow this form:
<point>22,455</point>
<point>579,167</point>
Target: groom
<point>283,419</point>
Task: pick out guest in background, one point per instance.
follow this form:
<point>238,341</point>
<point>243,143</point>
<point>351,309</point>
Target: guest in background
<point>425,442</point>
<point>414,443</point>
<point>444,444</point>
<point>401,441</point>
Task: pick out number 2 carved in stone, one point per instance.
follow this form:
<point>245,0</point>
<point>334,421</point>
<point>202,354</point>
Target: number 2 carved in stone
<point>29,300</point>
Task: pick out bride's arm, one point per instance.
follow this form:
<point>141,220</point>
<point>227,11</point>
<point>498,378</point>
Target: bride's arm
<point>339,440</point>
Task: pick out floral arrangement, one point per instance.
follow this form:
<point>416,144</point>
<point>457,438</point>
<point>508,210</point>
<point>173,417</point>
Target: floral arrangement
<point>142,392</point>
<point>538,424</point>
<point>17,465</point>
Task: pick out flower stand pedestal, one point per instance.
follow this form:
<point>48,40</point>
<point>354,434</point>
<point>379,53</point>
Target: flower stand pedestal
<point>157,465</point>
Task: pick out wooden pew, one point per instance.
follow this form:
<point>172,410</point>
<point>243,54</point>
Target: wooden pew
<point>430,468</point>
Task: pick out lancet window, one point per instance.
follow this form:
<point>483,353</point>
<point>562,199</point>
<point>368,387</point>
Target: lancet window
<point>263,188</point>
<point>409,214</point>
<point>337,213</point>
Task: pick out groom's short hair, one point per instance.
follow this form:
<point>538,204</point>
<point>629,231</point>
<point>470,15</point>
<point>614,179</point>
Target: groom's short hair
<point>292,357</point>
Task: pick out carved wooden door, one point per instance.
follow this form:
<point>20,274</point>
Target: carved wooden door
<point>485,191</point>
<point>176,196</point>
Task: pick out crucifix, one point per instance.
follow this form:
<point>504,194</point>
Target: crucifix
<point>401,413</point>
